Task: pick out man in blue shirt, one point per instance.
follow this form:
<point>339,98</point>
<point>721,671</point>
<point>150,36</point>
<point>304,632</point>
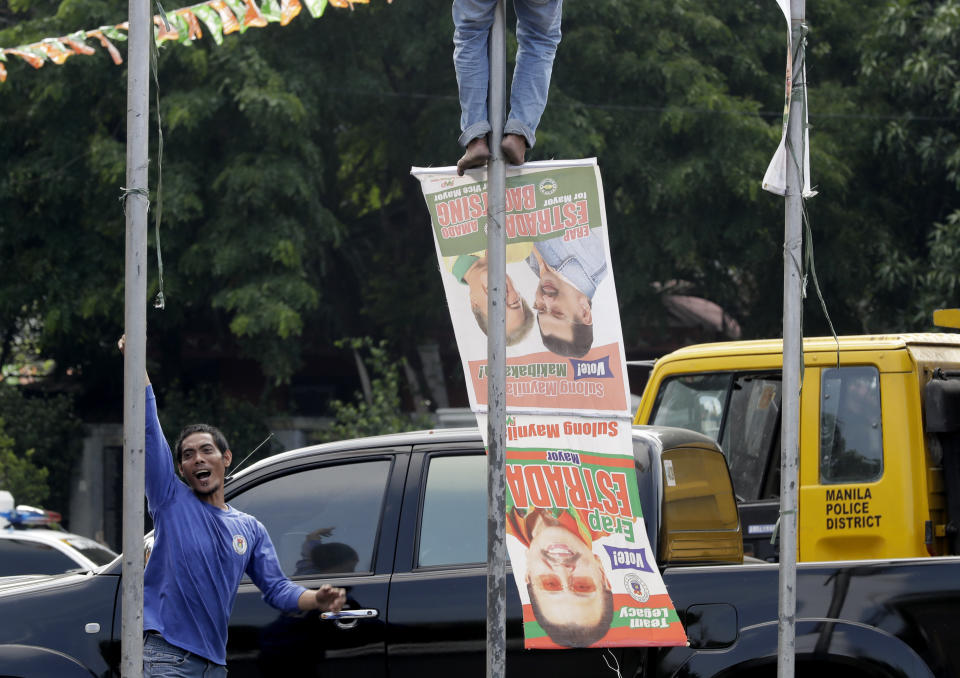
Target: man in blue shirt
<point>202,548</point>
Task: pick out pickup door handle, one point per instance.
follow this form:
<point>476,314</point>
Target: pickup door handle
<point>347,619</point>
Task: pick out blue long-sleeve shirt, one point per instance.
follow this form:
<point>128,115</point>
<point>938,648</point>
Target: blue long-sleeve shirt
<point>200,553</point>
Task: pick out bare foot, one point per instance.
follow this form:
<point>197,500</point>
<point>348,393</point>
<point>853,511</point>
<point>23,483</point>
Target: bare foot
<point>477,154</point>
<point>514,147</point>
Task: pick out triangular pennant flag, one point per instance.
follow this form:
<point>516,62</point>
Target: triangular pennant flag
<point>164,31</point>
<point>239,10</point>
<point>55,50</point>
<point>253,16</point>
<point>77,44</point>
<point>289,9</point>
<point>212,21</point>
<point>107,45</point>
<point>316,7</point>
<point>193,31</point>
<point>227,18</point>
<point>28,55</point>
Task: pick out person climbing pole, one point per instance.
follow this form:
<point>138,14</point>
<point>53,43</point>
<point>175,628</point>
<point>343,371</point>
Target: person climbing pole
<point>538,34</point>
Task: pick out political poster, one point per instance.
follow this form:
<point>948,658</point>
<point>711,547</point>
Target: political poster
<point>564,348</point>
<point>577,542</point>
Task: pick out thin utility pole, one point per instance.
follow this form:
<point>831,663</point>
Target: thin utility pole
<point>792,348</point>
<point>496,355</point>
<point>135,204</point>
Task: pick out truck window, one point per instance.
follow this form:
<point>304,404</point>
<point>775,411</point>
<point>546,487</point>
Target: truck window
<point>693,402</point>
<point>751,435</point>
<point>851,437</point>
<point>741,411</point>
<point>453,526</point>
<point>322,520</point>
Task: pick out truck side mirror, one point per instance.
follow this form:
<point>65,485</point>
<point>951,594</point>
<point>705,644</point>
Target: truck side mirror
<point>700,521</point>
<point>941,406</point>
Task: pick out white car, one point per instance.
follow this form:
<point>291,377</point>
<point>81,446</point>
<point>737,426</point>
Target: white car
<point>43,551</point>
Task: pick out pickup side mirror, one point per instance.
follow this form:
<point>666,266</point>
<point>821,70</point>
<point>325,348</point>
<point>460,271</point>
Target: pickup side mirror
<point>700,523</point>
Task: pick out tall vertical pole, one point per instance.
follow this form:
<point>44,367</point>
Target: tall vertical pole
<point>135,328</point>
<point>792,349</point>
<point>496,355</point>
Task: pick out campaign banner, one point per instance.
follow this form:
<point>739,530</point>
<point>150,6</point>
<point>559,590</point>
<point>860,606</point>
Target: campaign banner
<point>563,334</point>
<point>576,538</point>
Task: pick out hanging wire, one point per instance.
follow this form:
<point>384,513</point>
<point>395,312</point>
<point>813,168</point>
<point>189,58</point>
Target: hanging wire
<point>616,665</point>
<point>159,301</point>
<point>800,87</point>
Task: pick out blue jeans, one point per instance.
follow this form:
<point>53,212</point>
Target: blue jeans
<point>163,660</point>
<point>538,34</point>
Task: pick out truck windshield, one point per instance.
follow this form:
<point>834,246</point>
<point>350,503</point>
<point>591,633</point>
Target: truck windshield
<point>741,411</point>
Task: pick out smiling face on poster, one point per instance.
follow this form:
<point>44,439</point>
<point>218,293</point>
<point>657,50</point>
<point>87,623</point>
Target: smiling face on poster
<point>576,538</point>
<point>564,350</point>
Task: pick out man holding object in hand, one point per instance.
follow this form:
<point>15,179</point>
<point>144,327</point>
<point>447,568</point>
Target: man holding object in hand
<point>202,548</point>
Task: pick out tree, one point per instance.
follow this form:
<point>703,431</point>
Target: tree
<point>19,475</point>
<point>379,409</point>
<point>45,433</point>
<point>909,68</point>
<point>290,218</point>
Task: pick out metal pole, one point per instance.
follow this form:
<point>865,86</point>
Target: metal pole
<point>135,328</point>
<point>792,351</point>
<point>496,356</point>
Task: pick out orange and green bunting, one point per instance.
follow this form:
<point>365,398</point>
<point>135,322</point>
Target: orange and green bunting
<point>218,17</point>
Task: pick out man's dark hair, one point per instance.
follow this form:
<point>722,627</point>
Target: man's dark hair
<point>577,347</point>
<point>575,635</point>
<point>218,438</point>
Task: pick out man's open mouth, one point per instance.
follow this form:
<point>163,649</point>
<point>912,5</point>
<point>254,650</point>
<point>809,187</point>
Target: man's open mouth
<point>560,554</point>
<point>202,474</point>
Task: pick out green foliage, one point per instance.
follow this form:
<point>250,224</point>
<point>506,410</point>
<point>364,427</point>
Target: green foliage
<point>384,413</point>
<point>19,475</point>
<point>48,435</point>
<point>290,218</point>
<point>909,62</point>
<point>243,424</point>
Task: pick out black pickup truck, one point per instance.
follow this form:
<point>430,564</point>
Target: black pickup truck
<point>400,521</point>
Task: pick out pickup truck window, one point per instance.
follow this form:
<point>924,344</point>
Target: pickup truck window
<point>851,438</point>
<point>453,530</point>
<point>323,520</point>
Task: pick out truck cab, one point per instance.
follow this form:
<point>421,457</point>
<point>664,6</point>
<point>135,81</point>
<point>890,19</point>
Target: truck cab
<point>877,416</point>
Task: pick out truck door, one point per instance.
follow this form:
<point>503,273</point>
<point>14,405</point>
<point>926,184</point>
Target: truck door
<point>331,522</point>
<point>843,491</point>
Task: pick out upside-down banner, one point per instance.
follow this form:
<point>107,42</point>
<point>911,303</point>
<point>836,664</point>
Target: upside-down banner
<point>575,533</point>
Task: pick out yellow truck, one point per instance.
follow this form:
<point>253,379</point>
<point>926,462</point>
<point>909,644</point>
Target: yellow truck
<point>879,464</point>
